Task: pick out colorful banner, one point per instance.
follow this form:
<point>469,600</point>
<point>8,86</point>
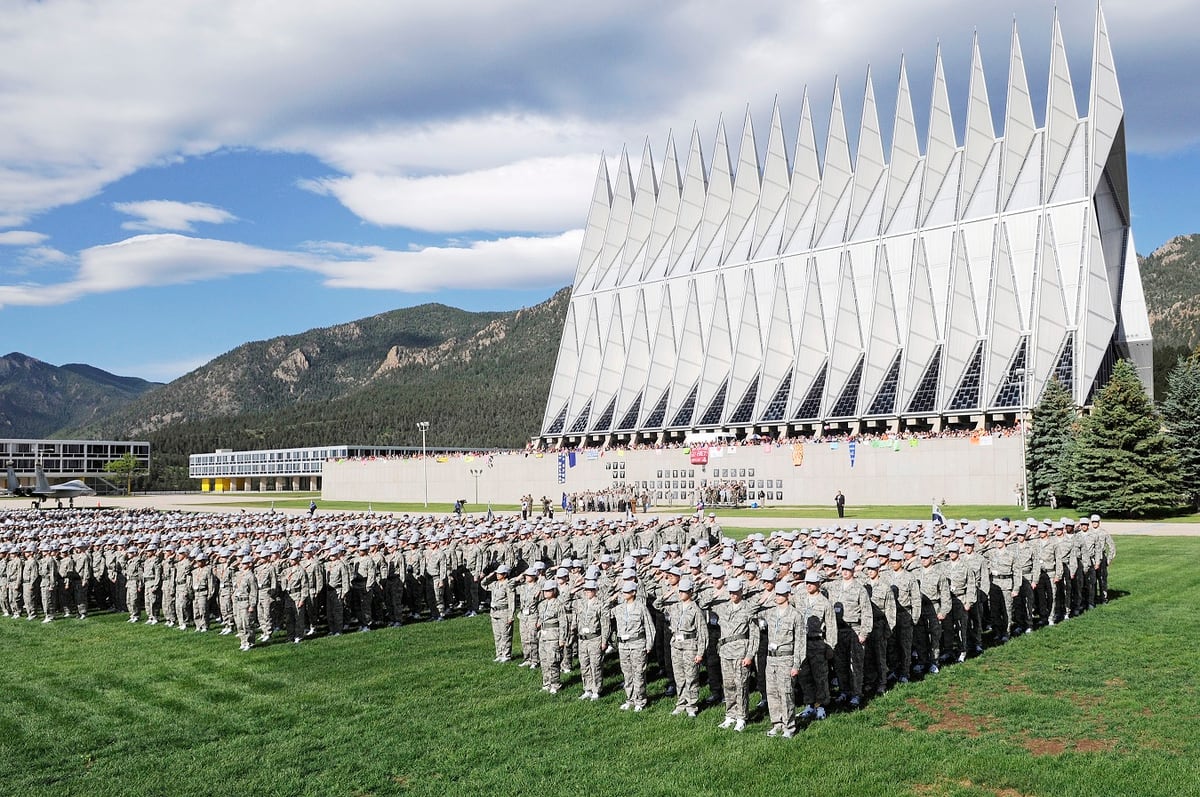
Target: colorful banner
<point>797,454</point>
<point>562,468</point>
<point>853,452</point>
<point>699,456</point>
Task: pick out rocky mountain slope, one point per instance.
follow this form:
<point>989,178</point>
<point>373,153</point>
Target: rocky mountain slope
<point>38,399</point>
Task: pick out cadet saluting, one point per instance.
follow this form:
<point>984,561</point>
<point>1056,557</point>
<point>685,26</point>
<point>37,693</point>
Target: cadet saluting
<point>635,638</point>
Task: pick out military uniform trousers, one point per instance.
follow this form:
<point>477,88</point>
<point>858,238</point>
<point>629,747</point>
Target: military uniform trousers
<point>570,642</point>
<point>132,596</point>
<point>976,616</point>
<point>473,596</point>
<point>875,659</point>
<point>183,601</point>
<point>77,588</point>
<point>117,592</point>
<point>335,610</point>
<point>393,595</point>
<point>735,677</point>
<point>363,597</point>
<point>712,663</point>
<point>633,669</point>
<point>814,673</point>
<point>435,596</point>
<point>1001,605</point>
<point>200,609</point>
<point>900,644</point>
<point>781,689</point>
<point>29,589</point>
<point>1024,609</point>
<point>760,669</point>
<point>150,599</point>
<point>293,616</point>
<point>591,662</point>
<point>550,644</point>
<point>225,605</point>
<point>266,624</point>
<point>529,637</point>
<point>168,601</point>
<point>662,650</point>
<point>1048,602</point>
<point>954,627</point>
<point>848,659</point>
<point>661,655</point>
<point>47,587</point>
<point>502,634</point>
<point>1074,583</point>
<point>241,618</point>
<point>928,635</point>
<point>684,652</point>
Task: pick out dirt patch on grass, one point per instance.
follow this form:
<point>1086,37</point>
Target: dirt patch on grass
<point>942,788</point>
<point>1086,702</point>
<point>946,715</point>
<point>1040,747</point>
<point>949,715</point>
<point>1045,747</point>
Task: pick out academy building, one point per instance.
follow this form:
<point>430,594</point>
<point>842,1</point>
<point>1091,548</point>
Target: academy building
<point>926,285</point>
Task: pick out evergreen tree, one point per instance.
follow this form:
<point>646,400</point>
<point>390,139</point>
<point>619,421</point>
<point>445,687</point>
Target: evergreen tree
<point>1181,414</point>
<point>1123,463</point>
<point>1048,453</point>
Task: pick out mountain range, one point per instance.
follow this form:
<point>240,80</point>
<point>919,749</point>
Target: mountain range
<point>480,379</point>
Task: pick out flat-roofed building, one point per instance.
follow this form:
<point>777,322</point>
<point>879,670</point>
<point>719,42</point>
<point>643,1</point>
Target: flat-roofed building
<point>276,469</point>
<point>70,459</point>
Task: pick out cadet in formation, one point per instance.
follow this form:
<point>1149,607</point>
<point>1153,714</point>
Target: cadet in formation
<point>877,605</point>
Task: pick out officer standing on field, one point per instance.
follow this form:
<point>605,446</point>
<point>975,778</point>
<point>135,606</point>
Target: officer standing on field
<point>736,647</point>
<point>689,640</point>
<point>634,629</point>
<point>503,601</point>
<point>785,653</point>
<point>593,621</point>
<point>552,627</point>
<point>855,621</point>
<point>244,597</point>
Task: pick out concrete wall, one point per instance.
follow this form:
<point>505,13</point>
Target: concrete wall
<point>954,469</point>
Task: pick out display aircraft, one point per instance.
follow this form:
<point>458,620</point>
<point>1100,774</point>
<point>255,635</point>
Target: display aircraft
<point>43,489</point>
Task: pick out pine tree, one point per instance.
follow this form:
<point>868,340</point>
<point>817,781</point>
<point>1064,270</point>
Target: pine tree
<point>1122,463</point>
<point>1051,436</point>
<point>1181,414</point>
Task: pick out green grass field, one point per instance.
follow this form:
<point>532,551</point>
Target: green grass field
<point>898,512</point>
<point>1104,704</point>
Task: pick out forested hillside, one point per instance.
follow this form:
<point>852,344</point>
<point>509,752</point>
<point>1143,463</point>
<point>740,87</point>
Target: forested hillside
<point>480,379</point>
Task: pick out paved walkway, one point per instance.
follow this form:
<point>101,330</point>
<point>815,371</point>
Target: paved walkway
<point>227,503</point>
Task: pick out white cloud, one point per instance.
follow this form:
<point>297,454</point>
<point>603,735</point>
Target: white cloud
<point>21,238</point>
<point>417,88</point>
<point>169,259</point>
<point>514,262</point>
<point>158,215</point>
<point>537,195</point>
<point>43,255</point>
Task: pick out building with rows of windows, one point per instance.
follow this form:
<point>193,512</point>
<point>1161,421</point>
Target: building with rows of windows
<point>71,459</point>
<point>921,284</point>
<point>268,470</point>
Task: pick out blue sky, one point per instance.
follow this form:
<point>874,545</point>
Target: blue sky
<point>179,178</point>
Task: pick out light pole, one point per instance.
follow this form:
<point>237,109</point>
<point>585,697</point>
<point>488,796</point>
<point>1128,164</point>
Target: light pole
<point>476,472</point>
<point>1024,373</point>
<point>424,427</point>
